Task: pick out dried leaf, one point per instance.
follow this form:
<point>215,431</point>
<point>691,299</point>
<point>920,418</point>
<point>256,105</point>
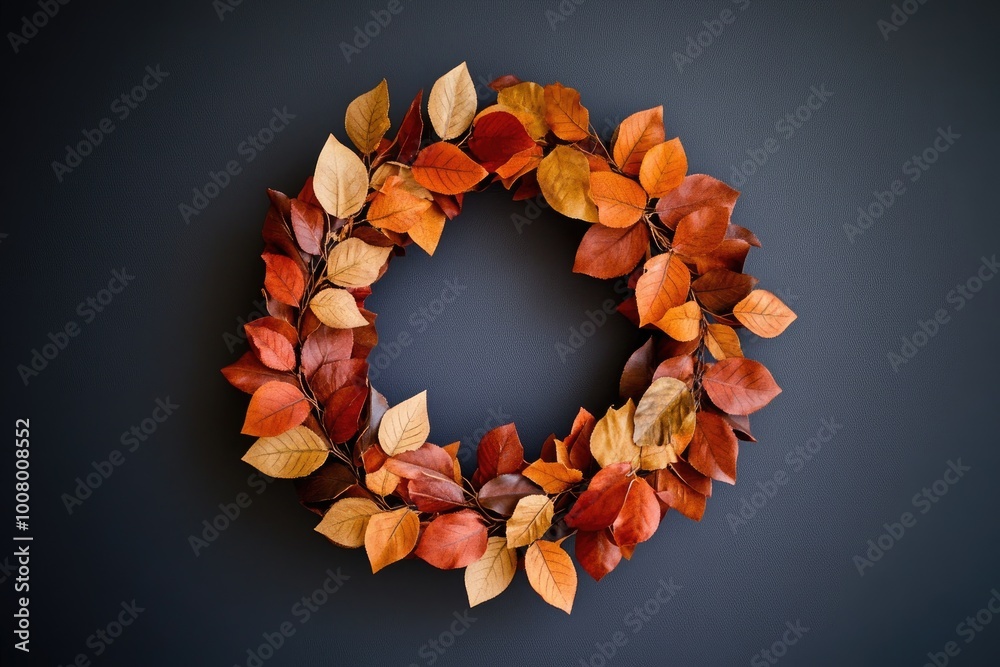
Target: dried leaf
<point>396,208</point>
<point>551,573</point>
<point>714,448</point>
<point>564,176</point>
<point>354,263</point>
<point>764,314</point>
<point>274,408</point>
<point>553,477</point>
<point>490,576</point>
<point>638,372</point>
<point>723,342</point>
<point>673,492</point>
<point>598,506</point>
<point>499,452</point>
<point>341,179</point>
<point>444,168</point>
<point>608,253</point>
<point>663,168</point>
<point>346,521</point>
<point>569,120</point>
<point>663,285</point>
<point>636,135</point>
<point>294,453</point>
<point>665,417</point>
<point>309,226</point>
<point>249,374</point>
<point>496,138</point>
<point>391,536</point>
<point>740,386</point>
<point>382,481</point>
<point>502,493</point>
<point>283,279</point>
<point>427,232</point>
<point>720,290</point>
<point>433,493</point>
<point>405,427</point>
<point>454,540</point>
<point>597,553</point>
<point>452,103</point>
<point>620,201</point>
<point>695,192</point>
<point>682,322</point>
<point>336,308</point>
<point>701,232</point>
<point>640,514</point>
<point>680,368</point>
<point>526,101</point>
<point>612,441</point>
<point>531,518</point>
<point>367,118</point>
<point>324,346</point>
<point>272,348</point>
<point>342,412</point>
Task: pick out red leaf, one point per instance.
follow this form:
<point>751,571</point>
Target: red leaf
<point>407,141</point>
<point>326,345</point>
<point>696,191</point>
<point>428,458</point>
<point>505,81</point>
<point>501,493</point>
<point>332,376</point>
<point>272,348</point>
<point>681,368</point>
<point>640,514</point>
<point>496,137</point>
<point>499,452</point>
<point>698,482</point>
<point>277,235</point>
<point>599,505</point>
<point>740,386</point>
<point>274,408</point>
<point>721,289</point>
<point>453,540</point>
<point>308,225</point>
<point>597,554</point>
<point>248,374</point>
<point>343,410</point>
<point>578,441</point>
<point>283,279</point>
<point>609,252</point>
<point>714,448</point>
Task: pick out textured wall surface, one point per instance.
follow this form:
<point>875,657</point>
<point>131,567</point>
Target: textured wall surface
<point>861,438</point>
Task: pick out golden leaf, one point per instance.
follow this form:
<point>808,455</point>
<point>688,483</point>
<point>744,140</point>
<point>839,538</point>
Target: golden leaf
<point>612,441</point>
<point>383,481</point>
<point>341,180</point>
<point>682,322</point>
<point>723,342</point>
<point>337,309</point>
<point>569,120</point>
<point>620,200</point>
<point>665,416</point>
<point>663,168</point>
<point>552,574</point>
<point>490,576</point>
<point>636,135</point>
<point>405,427</point>
<point>295,453</point>
<point>526,101</point>
<point>531,518</point>
<point>354,263</point>
<point>367,118</point>
<point>553,477</point>
<point>427,232</point>
<point>452,103</point>
<point>346,521</point>
<point>391,536</point>
<point>564,177</point>
<point>764,314</point>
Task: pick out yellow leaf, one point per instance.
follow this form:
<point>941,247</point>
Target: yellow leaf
<point>764,314</point>
<point>620,200</point>
<point>682,322</point>
<point>427,232</point>
<point>552,574</point>
<point>663,168</point>
<point>552,477</point>
<point>391,536</point>
<point>452,103</point>
<point>346,521</point>
<point>569,120</point>
<point>612,441</point>
<point>405,427</point>
<point>636,135</point>
<point>354,263</point>
<point>341,180</point>
<point>531,518</point>
<point>382,481</point>
<point>564,177</point>
<point>490,576</point>
<point>295,453</point>
<point>723,342</point>
<point>367,118</point>
<point>665,416</point>
<point>336,308</point>
<point>527,100</point>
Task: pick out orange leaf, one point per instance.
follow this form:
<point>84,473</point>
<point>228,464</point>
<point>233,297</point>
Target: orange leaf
<point>673,492</point>
<point>640,515</point>
<point>391,536</point>
<point>521,163</point>
<point>453,540</point>
<point>567,118</point>
<point>764,314</point>
<point>552,477</point>
<point>598,555</point>
<point>663,285</point>
<point>620,200</point>
<point>714,448</point>
<point>663,168</point>
<point>427,232</point>
<point>740,386</point>
<point>274,408</point>
<point>701,232</point>
<point>272,348</point>
<point>552,574</point>
<point>723,342</point>
<point>683,322</point>
<point>283,279</point>
<point>599,505</point>
<point>606,252</point>
<point>396,209</point>
<point>444,168</point>
<point>636,135</point>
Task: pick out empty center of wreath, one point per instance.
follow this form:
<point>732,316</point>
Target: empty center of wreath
<point>498,328</point>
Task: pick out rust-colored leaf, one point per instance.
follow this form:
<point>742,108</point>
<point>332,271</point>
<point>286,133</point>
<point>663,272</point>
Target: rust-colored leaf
<point>496,138</point>
<point>620,201</point>
<point>695,192</point>
<point>309,226</point>
<point>701,232</point>
<point>283,279</point>
<point>640,514</point>
<point>598,506</point>
<point>248,374</point>
<point>714,448</point>
<point>453,540</point>
<point>597,552</point>
<point>606,253</point>
<point>721,289</point>
<point>444,168</point>
<point>274,408</point>
<point>740,386</point>
<point>272,348</point>
<point>663,285</point>
<point>499,452</point>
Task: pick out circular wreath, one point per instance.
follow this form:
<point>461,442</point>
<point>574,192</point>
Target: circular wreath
<point>368,469</point>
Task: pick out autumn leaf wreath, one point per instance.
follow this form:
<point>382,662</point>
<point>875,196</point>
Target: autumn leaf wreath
<point>368,469</point>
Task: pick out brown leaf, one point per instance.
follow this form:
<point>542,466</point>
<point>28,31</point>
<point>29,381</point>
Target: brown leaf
<point>346,521</point>
<point>404,147</point>
<point>665,417</point>
<point>342,412</point>
<point>499,452</point>
<point>740,386</point>
<point>681,368</point>
<point>433,493</point>
<point>354,263</point>
<point>274,408</point>
<point>723,342</point>
<point>452,103</point>
<point>367,118</point>
<point>695,192</point>
<point>620,201</point>
<point>721,289</point>
<point>714,448</point>
<point>341,179</point>
<point>294,453</point>
<point>598,506</point>
<point>309,226</point>
<point>564,176</point>
<point>664,284</point>
<point>663,168</point>
<point>248,374</point>
<point>551,573</point>
<point>444,168</point>
<point>638,372</point>
<point>391,536</point>
<point>326,345</point>
<point>492,573</point>
<point>553,477</point>
<point>608,253</point>
<point>405,426</point>
<point>453,540</point>
<point>332,376</point>
<point>597,553</point>
<point>682,322</point>
<point>569,120</point>
<point>502,493</point>
<point>673,492</point>
<point>701,232</point>
<point>636,135</point>
<point>640,514</point>
<point>764,314</point>
<point>531,518</point>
